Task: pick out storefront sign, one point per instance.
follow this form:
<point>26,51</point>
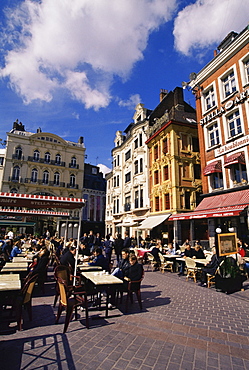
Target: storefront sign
<point>229,105</point>
<point>232,146</point>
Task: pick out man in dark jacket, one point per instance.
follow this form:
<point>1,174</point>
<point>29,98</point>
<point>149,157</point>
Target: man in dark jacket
<point>123,267</point>
<point>118,246</point>
<point>127,241</point>
<point>99,260</point>
<point>210,267</point>
<point>198,252</point>
<point>68,259</point>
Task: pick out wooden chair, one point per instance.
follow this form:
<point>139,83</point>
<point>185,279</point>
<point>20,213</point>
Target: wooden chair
<point>150,261</point>
<point>210,280</point>
<point>70,303</point>
<point>192,269</point>
<point>25,300</point>
<point>165,265</point>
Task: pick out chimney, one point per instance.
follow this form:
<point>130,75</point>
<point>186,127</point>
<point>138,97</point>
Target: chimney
<point>81,140</point>
<point>163,93</point>
<point>215,52</point>
<point>178,96</point>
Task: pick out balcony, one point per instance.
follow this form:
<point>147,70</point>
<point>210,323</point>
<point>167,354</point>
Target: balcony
<point>73,186</point>
<point>72,165</point>
<point>16,179</point>
<point>44,182</point>
<point>43,160</point>
<point>18,157</point>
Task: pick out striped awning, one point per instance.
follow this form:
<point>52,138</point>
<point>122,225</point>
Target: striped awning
<point>39,201</point>
<point>234,159</point>
<point>33,212</point>
<point>222,205</point>
<point>212,167</point>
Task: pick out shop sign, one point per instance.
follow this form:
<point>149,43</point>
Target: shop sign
<point>232,146</point>
<point>239,99</point>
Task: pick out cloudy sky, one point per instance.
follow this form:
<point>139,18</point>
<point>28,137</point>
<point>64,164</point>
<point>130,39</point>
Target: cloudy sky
<point>79,67</point>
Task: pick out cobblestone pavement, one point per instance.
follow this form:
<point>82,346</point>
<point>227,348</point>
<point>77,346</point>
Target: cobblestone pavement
<point>182,326</point>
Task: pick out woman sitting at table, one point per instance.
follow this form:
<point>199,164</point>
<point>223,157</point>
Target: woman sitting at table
<point>99,260</point>
<point>210,267</point>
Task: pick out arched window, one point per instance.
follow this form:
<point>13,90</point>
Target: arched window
<point>72,181</point>
<point>73,162</point>
<point>14,190</point>
<point>16,173</point>
<point>47,157</point>
<point>45,177</point>
<point>18,153</point>
<point>34,175</point>
<point>56,178</point>
<point>36,155</point>
<point>58,159</point>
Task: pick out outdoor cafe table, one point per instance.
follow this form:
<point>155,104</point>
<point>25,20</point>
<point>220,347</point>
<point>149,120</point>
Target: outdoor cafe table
<point>246,259</point>
<point>9,283</point>
<point>202,261</point>
<point>21,259</point>
<point>102,281</point>
<point>86,267</point>
<point>14,267</point>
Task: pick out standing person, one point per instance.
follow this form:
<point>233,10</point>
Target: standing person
<point>127,240</point>
<point>91,240</point>
<point>118,246</point>
<point>108,245</point>
<point>98,240</point>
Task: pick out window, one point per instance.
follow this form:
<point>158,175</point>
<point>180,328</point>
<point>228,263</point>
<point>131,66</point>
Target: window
<point>229,84</point>
<point>209,98</point>
<point>1,161</point>
<point>127,206</point>
<point>197,171</point>
<point>185,170</point>
<point>234,124</point>
<point>136,199</point>
<point>246,66</point>
<point>34,175</point>
<point>213,135</point>
<point>141,198</point>
<point>165,146</point>
<point>73,162</point>
<point>16,173</point>
<point>166,173</point>
<point>57,178</point>
<point>156,177</point>
<point>36,156</point>
<point>187,199</point>
<point>157,204</point>
<point>238,172</point>
<point>128,155</point>
<point>167,201</point>
<point>128,177</point>
<point>141,165</point>
<point>114,182</point>
<point>72,180</point>
<point>184,142</point>
<point>117,206</point>
<point>136,143</point>
<point>117,160</point>
<point>18,153</point>
<point>47,157</point>
<point>155,152</point>
<point>45,177</point>
<point>216,180</point>
<point>140,139</point>
<point>195,143</point>
<point>136,167</point>
<point>58,159</point>
<point>117,180</point>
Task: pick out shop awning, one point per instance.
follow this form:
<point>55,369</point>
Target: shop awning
<point>127,224</point>
<point>153,221</point>
<point>33,212</point>
<point>16,223</point>
<point>39,201</point>
<point>212,168</point>
<point>234,159</point>
<point>222,205</point>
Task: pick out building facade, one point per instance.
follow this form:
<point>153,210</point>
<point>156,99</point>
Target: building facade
<point>174,163</point>
<point>127,200</point>
<point>222,104</point>
<point>44,164</point>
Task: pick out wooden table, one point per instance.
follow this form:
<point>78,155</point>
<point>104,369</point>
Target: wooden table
<point>10,284</point>
<point>89,268</point>
<point>102,281</point>
<point>14,267</point>
<point>21,260</point>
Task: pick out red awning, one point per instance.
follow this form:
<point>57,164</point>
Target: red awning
<point>212,168</point>
<point>222,205</point>
<point>234,159</point>
<point>39,201</point>
<point>33,212</point>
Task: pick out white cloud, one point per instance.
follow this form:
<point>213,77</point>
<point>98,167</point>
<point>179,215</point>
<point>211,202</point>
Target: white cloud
<point>77,45</point>
<point>131,102</point>
<point>207,22</point>
<point>76,115</point>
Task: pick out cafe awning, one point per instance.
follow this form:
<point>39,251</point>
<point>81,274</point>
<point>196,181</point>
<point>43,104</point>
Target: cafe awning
<point>16,223</point>
<point>222,205</point>
<point>32,212</point>
<point>153,221</point>
<point>212,168</point>
<point>39,201</point>
<point>234,159</point>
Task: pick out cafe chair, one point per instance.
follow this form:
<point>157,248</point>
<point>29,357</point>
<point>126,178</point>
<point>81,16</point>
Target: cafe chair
<point>70,301</point>
<point>134,287</point>
<point>151,261</point>
<point>165,265</point>
<point>192,269</point>
<point>139,258</point>
<point>25,300</point>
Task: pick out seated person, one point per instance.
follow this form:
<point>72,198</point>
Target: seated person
<point>99,260</point>
<point>135,272</point>
<point>210,267</point>
<point>189,252</point>
<point>198,252</point>
<point>155,253</point>
<point>16,249</point>
<point>68,259</point>
<point>123,266</point>
<point>171,249</point>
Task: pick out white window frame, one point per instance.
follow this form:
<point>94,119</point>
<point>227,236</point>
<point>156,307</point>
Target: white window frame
<point>209,146</point>
<point>36,156</point>
<point>34,175</point>
<point>209,93</point>
<point>232,113</point>
<point>243,70</point>
<point>56,178</point>
<point>232,89</point>
<point>45,177</point>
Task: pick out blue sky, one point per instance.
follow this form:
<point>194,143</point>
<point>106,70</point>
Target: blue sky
<point>79,67</point>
